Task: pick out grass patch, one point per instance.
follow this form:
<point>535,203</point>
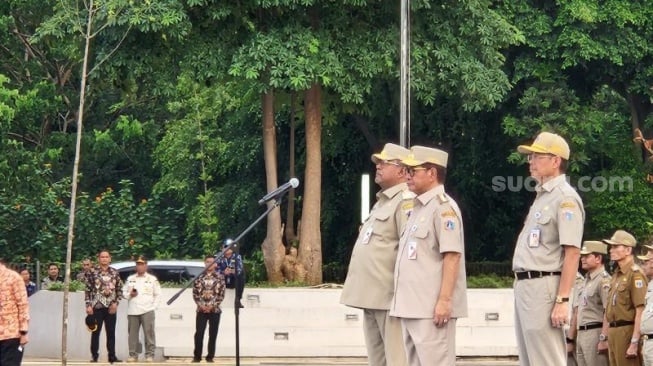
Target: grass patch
<point>489,281</point>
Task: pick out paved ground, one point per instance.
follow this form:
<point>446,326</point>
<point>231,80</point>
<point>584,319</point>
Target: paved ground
<point>345,361</point>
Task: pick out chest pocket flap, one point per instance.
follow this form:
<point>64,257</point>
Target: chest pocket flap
<point>544,219</point>
<point>383,215</point>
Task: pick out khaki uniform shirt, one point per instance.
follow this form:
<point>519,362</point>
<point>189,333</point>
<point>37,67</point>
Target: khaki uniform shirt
<point>593,297</point>
<point>647,315</point>
<point>370,278</point>
<point>627,292</point>
<point>434,227</point>
<point>556,218</point>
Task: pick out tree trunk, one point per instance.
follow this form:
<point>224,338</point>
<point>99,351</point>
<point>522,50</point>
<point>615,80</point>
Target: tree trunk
<point>290,234</point>
<point>310,243</point>
<point>272,247</point>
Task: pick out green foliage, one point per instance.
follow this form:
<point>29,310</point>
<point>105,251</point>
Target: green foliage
<point>73,286</point>
<point>489,281</point>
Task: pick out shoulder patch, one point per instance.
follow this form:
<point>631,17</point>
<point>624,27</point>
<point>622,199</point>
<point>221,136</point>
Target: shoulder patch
<point>567,204</point>
<point>442,198</point>
<point>639,283</point>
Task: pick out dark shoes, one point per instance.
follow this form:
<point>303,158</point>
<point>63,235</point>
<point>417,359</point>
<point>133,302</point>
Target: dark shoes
<point>240,304</point>
<point>209,360</point>
<point>114,360</point>
<point>93,360</point>
<point>195,360</point>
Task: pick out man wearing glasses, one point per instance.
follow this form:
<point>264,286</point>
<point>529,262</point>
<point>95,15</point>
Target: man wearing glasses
<point>546,255</point>
<point>430,281</point>
<point>370,281</point>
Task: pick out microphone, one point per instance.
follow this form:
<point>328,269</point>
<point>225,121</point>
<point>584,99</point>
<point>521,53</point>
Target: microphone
<point>292,183</point>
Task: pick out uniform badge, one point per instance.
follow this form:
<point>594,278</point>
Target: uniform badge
<point>567,205</point>
<point>639,283</point>
<point>538,214</point>
<point>413,228</point>
<point>568,215</point>
<point>449,224</point>
<point>412,250</point>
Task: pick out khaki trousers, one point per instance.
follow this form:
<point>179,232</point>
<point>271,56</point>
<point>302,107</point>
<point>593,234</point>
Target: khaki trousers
<point>538,342</point>
<point>134,323</point>
<point>428,345</point>
<point>647,352</point>
<point>586,348</point>
<point>618,342</point>
<point>383,338</point>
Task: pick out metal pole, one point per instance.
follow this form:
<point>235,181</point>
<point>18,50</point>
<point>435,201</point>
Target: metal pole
<point>404,76</point>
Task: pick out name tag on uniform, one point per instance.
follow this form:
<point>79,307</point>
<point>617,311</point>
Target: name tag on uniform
<point>534,238</point>
<point>412,250</point>
<point>367,235</point>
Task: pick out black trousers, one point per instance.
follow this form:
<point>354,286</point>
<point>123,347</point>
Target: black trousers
<point>200,326</point>
<point>11,352</point>
<point>109,320</point>
<point>236,283</point>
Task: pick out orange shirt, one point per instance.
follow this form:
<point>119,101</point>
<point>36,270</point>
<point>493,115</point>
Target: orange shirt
<point>14,308</point>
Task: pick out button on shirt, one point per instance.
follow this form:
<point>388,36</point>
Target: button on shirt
<point>147,298</point>
<point>370,277</point>
<point>593,297</point>
<point>556,218</point>
<point>627,292</point>
<point>433,228</point>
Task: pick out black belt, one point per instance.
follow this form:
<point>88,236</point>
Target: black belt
<point>621,323</point>
<point>534,274</point>
<point>647,337</point>
<point>589,326</point>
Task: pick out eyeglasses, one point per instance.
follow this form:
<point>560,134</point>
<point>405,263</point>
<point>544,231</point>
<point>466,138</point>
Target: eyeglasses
<point>531,157</point>
<point>412,169</point>
<point>388,162</point>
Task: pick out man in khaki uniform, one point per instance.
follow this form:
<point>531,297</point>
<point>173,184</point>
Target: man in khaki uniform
<point>646,327</point>
<point>625,301</point>
<point>546,255</point>
<point>589,307</point>
<point>370,282</point>
<point>430,280</point>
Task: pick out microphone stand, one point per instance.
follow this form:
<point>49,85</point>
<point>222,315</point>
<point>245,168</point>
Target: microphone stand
<point>219,255</point>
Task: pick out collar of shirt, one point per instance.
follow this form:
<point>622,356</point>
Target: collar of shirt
<point>626,267</point>
<point>597,271</point>
<point>549,185</point>
<point>392,191</point>
<point>425,197</point>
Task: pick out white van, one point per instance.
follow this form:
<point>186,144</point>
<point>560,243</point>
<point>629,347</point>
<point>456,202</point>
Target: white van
<point>178,271</point>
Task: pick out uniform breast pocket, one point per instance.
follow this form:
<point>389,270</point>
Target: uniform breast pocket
<point>381,223</point>
<point>623,295</point>
<point>544,219</point>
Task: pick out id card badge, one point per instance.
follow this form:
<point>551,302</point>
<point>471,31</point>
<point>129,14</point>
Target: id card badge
<point>367,235</point>
<point>534,238</point>
<point>412,250</point>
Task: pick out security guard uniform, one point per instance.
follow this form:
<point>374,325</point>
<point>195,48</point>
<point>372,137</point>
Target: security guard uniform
<point>627,292</point>
<point>434,228</point>
<point>370,279</point>
<point>591,306</point>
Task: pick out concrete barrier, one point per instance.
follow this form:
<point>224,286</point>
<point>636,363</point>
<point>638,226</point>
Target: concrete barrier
<point>276,322</point>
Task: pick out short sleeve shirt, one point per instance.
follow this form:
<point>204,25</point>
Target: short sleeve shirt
<point>627,292</point>
<point>593,297</point>
<point>434,228</point>
<point>647,316</point>
<point>556,218</point>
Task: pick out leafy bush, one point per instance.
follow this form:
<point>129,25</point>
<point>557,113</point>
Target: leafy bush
<point>489,281</point>
<point>74,286</point>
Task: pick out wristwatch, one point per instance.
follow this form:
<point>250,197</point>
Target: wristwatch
<point>634,340</point>
<point>603,337</point>
<point>560,299</point>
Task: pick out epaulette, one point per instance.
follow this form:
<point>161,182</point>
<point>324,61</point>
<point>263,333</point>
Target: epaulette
<point>636,268</point>
<point>443,198</point>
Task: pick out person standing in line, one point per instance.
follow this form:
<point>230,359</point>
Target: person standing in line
<point>30,286</point>
<point>546,255</point>
<point>570,328</point>
<point>14,316</point>
<point>102,295</point>
<point>370,279</point>
<point>589,331</point>
<point>231,267</point>
<point>52,278</point>
<point>87,266</point>
<point>646,327</point>
<point>142,291</point>
<point>430,281</point>
<point>626,301</point>
<point>208,293</point>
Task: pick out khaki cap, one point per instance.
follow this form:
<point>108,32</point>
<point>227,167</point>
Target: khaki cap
<point>622,237</point>
<point>421,154</point>
<point>592,246</point>
<point>648,255</point>
<point>141,260</point>
<point>390,152</point>
<point>547,143</point>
